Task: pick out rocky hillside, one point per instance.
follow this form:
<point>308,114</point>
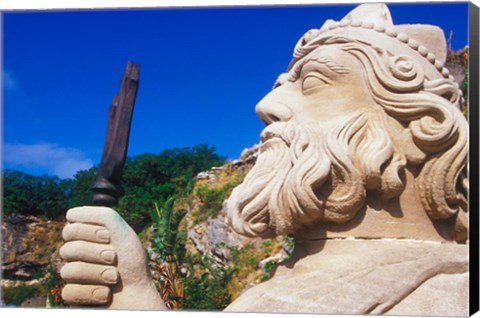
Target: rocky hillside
<point>251,260</point>
<point>217,260</point>
<point>29,245</point>
<point>30,257</point>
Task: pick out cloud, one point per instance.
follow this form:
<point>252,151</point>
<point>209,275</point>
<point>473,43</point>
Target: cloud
<point>47,157</point>
<point>8,81</point>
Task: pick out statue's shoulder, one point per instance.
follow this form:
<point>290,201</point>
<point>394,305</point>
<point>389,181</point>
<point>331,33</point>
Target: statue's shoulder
<point>367,277</point>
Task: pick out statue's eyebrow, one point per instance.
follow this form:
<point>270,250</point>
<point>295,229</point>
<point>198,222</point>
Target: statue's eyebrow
<point>294,74</point>
<point>332,65</point>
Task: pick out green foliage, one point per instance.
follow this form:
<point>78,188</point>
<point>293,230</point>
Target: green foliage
<point>289,245</point>
<point>203,285</point>
<point>35,195</point>
<point>168,241</point>
<point>18,294</point>
<point>268,270</point>
<point>52,285</point>
<point>269,267</point>
<point>177,166</point>
<point>135,206</point>
<point>148,178</point>
<point>212,200</point>
<point>206,286</point>
<point>246,258</point>
<point>81,193</point>
<point>245,268</point>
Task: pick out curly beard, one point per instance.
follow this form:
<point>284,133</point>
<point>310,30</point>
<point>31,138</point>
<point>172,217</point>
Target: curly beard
<point>305,173</point>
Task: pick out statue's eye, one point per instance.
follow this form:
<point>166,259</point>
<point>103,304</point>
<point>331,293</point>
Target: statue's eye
<point>314,81</point>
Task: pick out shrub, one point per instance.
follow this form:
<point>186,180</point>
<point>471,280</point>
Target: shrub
<point>18,294</point>
<point>169,242</point>
<point>206,284</point>
<point>52,285</point>
<point>268,270</point>
<point>212,200</point>
<point>34,195</point>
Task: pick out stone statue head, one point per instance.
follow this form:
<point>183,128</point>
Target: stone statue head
<point>362,101</point>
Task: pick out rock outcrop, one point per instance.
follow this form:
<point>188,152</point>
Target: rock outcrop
<point>29,244</point>
<point>213,236</point>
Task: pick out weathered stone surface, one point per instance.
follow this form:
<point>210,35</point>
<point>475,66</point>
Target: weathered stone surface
<point>213,238</point>
<point>29,244</point>
<point>441,295</point>
<point>36,302</point>
<point>398,277</point>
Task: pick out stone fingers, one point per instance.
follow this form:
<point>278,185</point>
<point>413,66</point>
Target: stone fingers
<point>85,232</point>
<point>103,216</point>
<point>86,294</point>
<point>85,273</point>
<point>88,252</point>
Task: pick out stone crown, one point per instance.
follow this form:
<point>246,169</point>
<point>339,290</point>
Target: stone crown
<point>372,23</point>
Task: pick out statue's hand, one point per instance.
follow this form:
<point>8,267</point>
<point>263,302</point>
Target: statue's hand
<point>106,263</point>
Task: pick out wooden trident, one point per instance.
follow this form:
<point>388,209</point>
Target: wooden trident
<point>107,186</point>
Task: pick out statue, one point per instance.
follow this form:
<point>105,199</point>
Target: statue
<point>363,161</point>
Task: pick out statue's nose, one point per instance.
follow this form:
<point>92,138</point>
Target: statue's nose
<point>271,109</point>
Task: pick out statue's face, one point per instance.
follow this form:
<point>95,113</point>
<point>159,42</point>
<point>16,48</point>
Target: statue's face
<point>325,85</point>
<point>328,141</point>
<point>304,154</point>
<point>348,118</point>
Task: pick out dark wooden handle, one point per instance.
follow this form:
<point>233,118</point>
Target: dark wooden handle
<point>105,193</point>
<point>107,186</point>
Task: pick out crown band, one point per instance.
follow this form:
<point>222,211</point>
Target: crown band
<point>348,27</point>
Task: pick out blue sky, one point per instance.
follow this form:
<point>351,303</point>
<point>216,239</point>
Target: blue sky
<point>202,72</point>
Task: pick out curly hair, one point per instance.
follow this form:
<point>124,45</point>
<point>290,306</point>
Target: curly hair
<point>430,109</point>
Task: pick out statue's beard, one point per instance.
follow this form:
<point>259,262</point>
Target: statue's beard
<point>304,174</point>
<point>280,189</point>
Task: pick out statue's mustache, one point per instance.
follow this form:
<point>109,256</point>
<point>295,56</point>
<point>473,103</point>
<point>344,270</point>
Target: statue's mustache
<point>277,130</point>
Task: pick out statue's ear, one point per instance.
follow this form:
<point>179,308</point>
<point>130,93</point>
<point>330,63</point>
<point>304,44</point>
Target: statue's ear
<point>403,140</point>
